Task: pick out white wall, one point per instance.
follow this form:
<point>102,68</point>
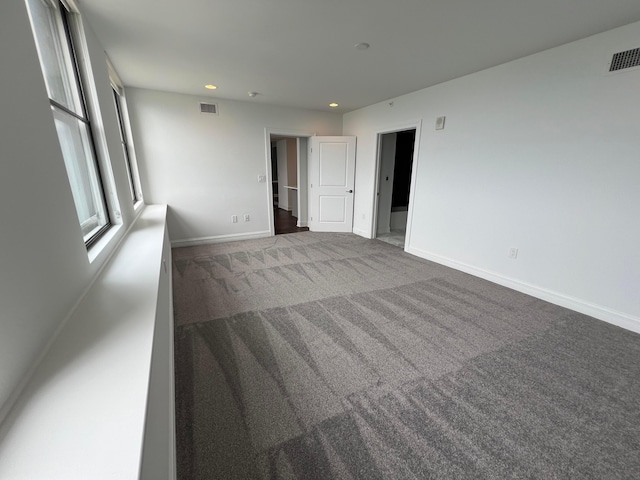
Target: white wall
<point>206,167</point>
<point>44,267</point>
<point>283,174</point>
<point>292,162</point>
<point>385,184</point>
<point>303,181</point>
<point>399,220</point>
<point>539,154</point>
<point>292,175</point>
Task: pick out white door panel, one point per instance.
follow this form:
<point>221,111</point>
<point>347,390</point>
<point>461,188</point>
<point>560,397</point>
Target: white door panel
<point>332,176</point>
<point>332,209</point>
<point>334,162</point>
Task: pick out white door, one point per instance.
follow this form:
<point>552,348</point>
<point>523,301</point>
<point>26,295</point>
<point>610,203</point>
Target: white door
<point>332,169</point>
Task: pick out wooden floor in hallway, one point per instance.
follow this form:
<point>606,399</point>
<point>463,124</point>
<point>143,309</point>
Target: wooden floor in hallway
<point>285,222</point>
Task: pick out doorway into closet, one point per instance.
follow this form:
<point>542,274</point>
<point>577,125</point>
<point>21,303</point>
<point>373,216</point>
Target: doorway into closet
<point>395,163</point>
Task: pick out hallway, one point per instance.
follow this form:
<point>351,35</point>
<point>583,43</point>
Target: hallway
<point>284,222</point>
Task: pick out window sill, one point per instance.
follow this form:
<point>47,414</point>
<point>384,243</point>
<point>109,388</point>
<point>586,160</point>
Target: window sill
<point>99,250</point>
<point>138,206</point>
<point>94,400</point>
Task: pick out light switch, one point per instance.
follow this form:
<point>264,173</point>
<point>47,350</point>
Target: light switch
<point>262,179</point>
<point>440,123</point>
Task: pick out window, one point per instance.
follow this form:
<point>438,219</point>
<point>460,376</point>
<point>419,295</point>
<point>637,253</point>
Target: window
<point>125,147</point>
<point>54,28</point>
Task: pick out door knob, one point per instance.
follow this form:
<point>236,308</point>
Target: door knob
<point>349,191</point>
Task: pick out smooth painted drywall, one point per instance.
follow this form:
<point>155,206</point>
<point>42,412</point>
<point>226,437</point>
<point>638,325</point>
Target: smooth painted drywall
<point>303,182</point>
<point>399,220</point>
<point>385,184</point>
<point>44,267</point>
<point>206,167</point>
<point>292,174</point>
<point>539,154</point>
<point>292,162</point>
<point>283,174</point>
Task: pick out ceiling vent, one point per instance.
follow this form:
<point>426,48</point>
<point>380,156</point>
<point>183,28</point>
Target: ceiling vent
<point>624,60</point>
<point>209,108</point>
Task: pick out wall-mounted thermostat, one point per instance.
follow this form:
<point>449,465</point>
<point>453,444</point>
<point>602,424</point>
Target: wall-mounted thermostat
<point>440,123</point>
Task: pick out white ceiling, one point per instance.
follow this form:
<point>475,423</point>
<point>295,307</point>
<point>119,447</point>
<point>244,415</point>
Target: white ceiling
<point>301,52</point>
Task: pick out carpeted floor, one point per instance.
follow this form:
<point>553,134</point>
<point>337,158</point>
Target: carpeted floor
<point>320,356</point>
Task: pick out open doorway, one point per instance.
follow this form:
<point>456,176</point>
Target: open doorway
<point>395,163</point>
<point>289,180</point>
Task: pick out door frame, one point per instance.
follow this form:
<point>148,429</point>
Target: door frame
<point>409,125</point>
<point>267,140</point>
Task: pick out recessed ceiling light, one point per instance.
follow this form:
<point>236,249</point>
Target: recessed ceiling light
<point>362,46</point>
<point>252,94</point>
<point>333,105</point>
<point>210,87</point>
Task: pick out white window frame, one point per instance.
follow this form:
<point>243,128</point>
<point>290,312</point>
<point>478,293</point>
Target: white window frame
<point>124,126</point>
<point>79,73</point>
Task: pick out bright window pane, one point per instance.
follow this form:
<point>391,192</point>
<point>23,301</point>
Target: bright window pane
<point>54,55</point>
<point>83,177</point>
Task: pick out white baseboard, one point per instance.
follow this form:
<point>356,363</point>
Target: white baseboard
<point>233,237</point>
<point>302,224</point>
<point>362,233</point>
<point>626,321</point>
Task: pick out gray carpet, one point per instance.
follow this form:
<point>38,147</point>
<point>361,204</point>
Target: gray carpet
<point>320,356</point>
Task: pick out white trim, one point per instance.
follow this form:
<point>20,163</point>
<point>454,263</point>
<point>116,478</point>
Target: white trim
<point>412,188</point>
<point>133,159</point>
<point>376,187</point>
<point>303,183</point>
<point>96,118</point>
<point>362,233</point>
<point>114,78</point>
<point>71,5</point>
<point>623,320</point>
<point>233,237</point>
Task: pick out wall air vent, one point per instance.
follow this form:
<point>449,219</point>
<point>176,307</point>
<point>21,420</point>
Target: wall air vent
<point>209,108</point>
<point>624,60</point>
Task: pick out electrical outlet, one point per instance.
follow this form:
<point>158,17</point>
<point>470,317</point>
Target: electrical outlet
<point>246,217</point>
<point>262,179</point>
<point>513,253</point>
<point>234,218</point>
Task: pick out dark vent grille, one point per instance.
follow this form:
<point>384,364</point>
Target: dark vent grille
<point>627,59</point>
<point>209,108</point>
